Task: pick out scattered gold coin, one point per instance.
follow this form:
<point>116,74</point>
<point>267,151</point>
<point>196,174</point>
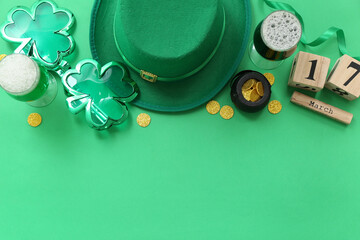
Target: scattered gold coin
<point>2,56</point>
<point>260,89</point>
<point>213,107</point>
<point>275,107</point>
<point>254,97</point>
<point>34,119</point>
<point>227,112</point>
<point>143,120</point>
<point>270,77</point>
<point>248,84</point>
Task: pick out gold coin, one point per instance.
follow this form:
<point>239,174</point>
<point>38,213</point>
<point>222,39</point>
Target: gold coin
<point>275,107</point>
<point>34,120</point>
<point>260,89</point>
<point>143,120</point>
<point>2,56</point>
<point>247,94</point>
<point>213,107</point>
<point>227,112</point>
<point>248,84</point>
<point>254,97</point>
<point>270,77</point>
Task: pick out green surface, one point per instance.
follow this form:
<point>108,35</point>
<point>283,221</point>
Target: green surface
<point>187,176</point>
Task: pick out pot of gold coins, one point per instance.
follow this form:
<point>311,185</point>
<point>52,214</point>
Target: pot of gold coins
<point>250,91</point>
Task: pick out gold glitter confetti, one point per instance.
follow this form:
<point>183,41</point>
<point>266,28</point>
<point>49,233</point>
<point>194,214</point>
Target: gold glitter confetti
<point>143,120</point>
<point>34,119</point>
<point>270,77</point>
<point>213,107</point>
<point>2,56</point>
<point>275,107</point>
<point>260,89</point>
<point>227,112</point>
<point>248,84</point>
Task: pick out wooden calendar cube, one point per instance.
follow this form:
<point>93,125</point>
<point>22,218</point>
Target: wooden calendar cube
<point>344,78</point>
<point>309,72</point>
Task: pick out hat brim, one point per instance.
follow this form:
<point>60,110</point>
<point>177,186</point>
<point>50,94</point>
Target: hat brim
<point>188,93</point>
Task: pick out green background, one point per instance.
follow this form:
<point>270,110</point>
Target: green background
<point>192,175</point>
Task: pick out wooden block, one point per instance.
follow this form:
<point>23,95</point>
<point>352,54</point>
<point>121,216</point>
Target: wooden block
<point>344,78</point>
<point>322,108</point>
<point>309,72</point>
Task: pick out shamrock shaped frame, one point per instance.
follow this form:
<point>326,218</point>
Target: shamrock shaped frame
<point>29,46</point>
<point>79,100</point>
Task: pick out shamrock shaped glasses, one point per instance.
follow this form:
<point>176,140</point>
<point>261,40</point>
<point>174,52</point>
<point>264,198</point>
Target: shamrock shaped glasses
<point>43,36</point>
<point>42,32</point>
<point>103,92</point>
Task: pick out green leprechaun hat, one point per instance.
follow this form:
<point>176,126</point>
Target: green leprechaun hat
<point>180,53</point>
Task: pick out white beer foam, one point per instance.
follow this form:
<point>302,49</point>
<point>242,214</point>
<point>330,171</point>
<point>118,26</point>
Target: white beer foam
<point>281,31</point>
<point>19,74</point>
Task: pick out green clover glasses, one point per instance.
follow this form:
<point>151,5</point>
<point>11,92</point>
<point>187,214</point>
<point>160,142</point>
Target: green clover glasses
<point>43,40</point>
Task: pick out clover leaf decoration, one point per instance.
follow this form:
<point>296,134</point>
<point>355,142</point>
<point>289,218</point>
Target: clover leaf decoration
<point>101,91</point>
<point>42,32</point>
